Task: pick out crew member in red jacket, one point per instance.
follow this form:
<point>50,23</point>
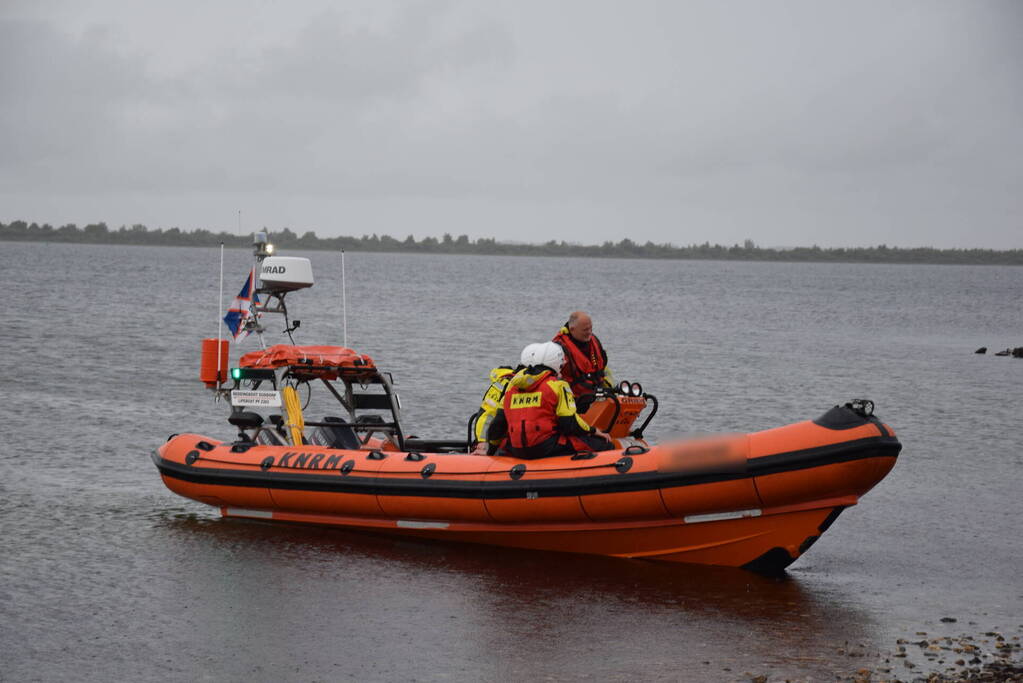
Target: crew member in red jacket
<point>539,414</point>
<point>586,365</point>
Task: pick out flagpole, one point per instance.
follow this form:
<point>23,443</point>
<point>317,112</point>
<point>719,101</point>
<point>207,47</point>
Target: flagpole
<point>253,308</point>
<point>344,302</point>
<point>220,313</point>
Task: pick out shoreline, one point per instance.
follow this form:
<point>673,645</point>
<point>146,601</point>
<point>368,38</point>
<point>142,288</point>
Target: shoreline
<point>981,657</point>
<point>139,235</point>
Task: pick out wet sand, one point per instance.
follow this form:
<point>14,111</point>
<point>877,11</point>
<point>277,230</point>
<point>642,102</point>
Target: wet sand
<point>989,657</point>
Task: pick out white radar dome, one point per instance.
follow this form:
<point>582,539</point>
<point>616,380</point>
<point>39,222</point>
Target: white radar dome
<point>280,274</point>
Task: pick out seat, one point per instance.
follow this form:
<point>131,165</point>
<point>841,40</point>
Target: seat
<point>337,435</point>
<point>269,437</point>
<point>245,420</point>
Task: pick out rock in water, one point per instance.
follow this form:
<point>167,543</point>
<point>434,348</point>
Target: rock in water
<point>982,349</point>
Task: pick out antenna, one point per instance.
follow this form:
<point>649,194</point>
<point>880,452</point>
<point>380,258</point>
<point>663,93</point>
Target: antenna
<point>344,302</point>
<point>239,222</point>
<point>220,314</point>
<point>261,248</point>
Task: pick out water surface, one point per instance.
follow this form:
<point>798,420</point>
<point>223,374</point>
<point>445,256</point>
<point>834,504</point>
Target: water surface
<point>106,574</point>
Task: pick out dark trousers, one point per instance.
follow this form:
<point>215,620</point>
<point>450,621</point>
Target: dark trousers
<point>559,445</point>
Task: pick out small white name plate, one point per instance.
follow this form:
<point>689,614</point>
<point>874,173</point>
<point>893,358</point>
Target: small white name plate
<point>263,399</point>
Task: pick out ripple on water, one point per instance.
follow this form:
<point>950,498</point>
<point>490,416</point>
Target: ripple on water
<point>106,574</point>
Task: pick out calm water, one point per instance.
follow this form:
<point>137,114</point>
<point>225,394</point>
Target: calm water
<point>106,574</point>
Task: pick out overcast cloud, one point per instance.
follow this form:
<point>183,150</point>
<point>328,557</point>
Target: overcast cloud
<point>789,123</point>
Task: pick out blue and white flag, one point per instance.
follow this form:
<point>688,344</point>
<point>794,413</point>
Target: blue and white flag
<point>241,309</point>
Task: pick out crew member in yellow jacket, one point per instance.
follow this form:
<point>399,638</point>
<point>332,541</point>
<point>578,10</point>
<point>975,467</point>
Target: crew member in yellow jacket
<point>490,406</point>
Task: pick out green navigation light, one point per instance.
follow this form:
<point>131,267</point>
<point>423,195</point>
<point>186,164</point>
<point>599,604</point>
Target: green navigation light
<point>251,373</point>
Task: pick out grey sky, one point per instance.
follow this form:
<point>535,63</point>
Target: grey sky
<point>789,123</point>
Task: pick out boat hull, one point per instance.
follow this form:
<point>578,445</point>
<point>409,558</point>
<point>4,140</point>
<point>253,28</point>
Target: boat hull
<point>755,500</point>
<point>765,543</point>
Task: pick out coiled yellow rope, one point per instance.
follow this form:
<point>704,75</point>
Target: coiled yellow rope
<point>293,407</point>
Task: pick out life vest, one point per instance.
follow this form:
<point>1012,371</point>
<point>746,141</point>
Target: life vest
<point>499,378</point>
<point>584,371</point>
<point>531,411</point>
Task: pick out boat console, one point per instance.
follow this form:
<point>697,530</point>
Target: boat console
<point>369,408</point>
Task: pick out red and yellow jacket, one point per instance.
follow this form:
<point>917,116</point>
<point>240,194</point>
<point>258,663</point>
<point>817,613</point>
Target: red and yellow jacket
<point>492,402</point>
<point>585,368</point>
<point>540,414</point>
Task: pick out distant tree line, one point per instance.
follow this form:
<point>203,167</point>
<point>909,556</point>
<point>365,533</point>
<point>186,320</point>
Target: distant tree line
<point>99,233</point>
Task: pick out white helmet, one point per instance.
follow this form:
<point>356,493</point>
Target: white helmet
<point>549,354</point>
<point>527,355</point>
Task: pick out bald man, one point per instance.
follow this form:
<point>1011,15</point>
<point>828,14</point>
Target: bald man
<point>586,361</point>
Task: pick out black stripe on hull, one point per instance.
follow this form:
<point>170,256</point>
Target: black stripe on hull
<point>822,455</point>
<point>862,449</point>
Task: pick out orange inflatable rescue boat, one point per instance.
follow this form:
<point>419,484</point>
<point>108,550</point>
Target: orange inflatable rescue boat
<point>756,500</point>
